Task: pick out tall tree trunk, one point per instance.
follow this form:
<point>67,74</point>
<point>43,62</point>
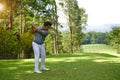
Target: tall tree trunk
<point>71,33</point>
<point>20,23</point>
<point>23,30</point>
<point>55,39</point>
<point>55,44</point>
<point>79,46</point>
<point>10,15</point>
<point>71,39</point>
<point>55,17</point>
<point>22,54</point>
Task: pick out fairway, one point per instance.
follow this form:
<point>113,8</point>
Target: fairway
<point>81,66</point>
<point>99,48</point>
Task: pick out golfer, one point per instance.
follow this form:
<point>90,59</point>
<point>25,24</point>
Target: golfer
<point>38,45</point>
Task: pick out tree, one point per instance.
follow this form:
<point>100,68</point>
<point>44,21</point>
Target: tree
<point>114,38</point>
<point>94,38</point>
<point>80,22</point>
<point>9,46</point>
<point>76,18</point>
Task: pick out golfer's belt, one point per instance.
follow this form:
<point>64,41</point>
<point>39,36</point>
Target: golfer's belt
<point>37,42</point>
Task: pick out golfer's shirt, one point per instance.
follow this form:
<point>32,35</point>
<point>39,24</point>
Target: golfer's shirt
<point>40,38</point>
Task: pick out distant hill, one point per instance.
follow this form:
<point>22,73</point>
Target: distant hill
<point>100,28</point>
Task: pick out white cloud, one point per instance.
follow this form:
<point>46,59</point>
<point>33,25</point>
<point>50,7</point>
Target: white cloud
<point>101,11</point>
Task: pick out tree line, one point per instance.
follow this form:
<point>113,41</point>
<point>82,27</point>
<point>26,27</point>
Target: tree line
<point>111,38</point>
<point>94,38</point>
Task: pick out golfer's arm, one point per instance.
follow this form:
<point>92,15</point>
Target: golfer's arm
<point>33,30</point>
<point>37,30</point>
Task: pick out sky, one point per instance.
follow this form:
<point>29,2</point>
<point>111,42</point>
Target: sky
<point>100,13</point>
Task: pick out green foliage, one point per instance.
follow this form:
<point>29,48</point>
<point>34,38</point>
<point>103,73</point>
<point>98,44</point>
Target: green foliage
<point>113,38</point>
<point>26,39</point>
<point>49,43</point>
<point>94,38</point>
<point>60,42</point>
<point>26,44</point>
<point>66,42</point>
<point>77,19</point>
<point>9,45</point>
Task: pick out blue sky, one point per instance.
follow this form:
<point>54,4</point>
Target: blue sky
<point>100,13</point>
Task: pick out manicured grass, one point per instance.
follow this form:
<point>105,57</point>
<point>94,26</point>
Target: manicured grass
<point>99,48</point>
<point>81,66</point>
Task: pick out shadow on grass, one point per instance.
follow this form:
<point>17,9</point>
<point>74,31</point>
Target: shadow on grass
<point>82,66</point>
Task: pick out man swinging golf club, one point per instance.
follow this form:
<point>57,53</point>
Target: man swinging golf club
<point>38,45</point>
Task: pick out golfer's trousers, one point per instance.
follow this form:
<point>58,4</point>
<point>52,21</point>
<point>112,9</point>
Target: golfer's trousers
<point>39,50</point>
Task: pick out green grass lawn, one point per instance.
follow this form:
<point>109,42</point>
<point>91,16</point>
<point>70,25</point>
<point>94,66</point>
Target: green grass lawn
<point>99,48</point>
<point>82,66</point>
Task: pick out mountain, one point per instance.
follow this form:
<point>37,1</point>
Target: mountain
<point>100,28</point>
<point>96,28</point>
